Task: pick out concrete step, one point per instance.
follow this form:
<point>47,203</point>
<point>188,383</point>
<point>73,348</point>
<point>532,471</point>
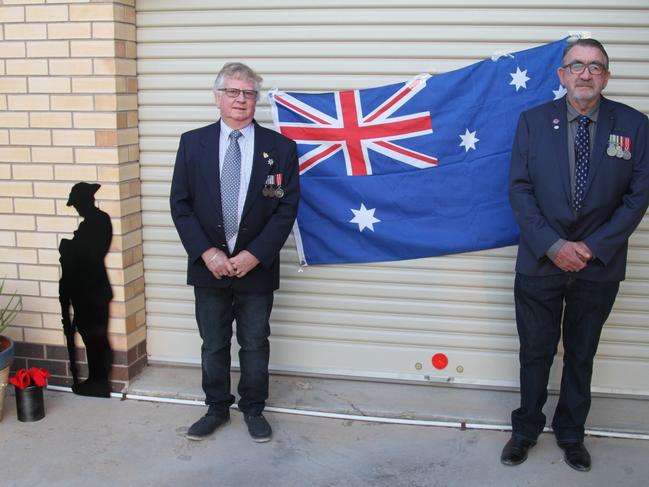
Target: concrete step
<point>446,403</point>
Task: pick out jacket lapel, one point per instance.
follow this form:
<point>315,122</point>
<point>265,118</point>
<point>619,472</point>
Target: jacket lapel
<point>605,121</point>
<point>209,162</point>
<point>260,169</point>
<point>560,144</point>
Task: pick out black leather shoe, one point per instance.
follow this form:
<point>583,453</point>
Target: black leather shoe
<point>576,456</point>
<point>207,425</point>
<point>258,428</point>
<point>515,451</point>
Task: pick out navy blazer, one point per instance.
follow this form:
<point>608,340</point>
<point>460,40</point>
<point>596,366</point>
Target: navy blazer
<point>617,190</point>
<point>266,222</point>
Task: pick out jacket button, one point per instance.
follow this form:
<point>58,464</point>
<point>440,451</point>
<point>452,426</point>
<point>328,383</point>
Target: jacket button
<point>220,226</point>
<point>222,245</point>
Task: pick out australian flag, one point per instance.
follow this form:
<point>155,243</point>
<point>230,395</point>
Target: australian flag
<point>413,169</point>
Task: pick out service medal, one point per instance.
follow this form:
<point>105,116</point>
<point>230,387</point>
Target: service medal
<point>627,148</point>
<point>279,192</point>
<point>610,150</point>
<point>268,187</point>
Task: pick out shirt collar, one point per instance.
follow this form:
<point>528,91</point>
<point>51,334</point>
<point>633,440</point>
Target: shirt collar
<point>574,114</point>
<point>245,131</point>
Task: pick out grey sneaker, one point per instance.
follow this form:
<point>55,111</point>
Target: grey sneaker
<point>258,428</point>
<point>205,426</point>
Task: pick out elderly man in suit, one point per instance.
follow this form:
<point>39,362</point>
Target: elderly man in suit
<point>579,186</point>
<point>234,197</point>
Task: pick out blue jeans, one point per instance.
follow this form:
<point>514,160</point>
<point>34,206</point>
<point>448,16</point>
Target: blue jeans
<point>540,304</point>
<point>215,311</point>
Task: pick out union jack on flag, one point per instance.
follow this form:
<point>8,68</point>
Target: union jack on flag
<point>413,169</point>
<point>355,130</point>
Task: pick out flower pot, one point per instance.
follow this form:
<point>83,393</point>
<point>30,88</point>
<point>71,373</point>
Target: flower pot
<point>30,405</point>
<point>7,348</point>
<point>4,380</point>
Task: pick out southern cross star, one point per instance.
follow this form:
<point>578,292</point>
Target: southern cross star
<point>468,140</point>
<point>559,92</point>
<point>519,78</point>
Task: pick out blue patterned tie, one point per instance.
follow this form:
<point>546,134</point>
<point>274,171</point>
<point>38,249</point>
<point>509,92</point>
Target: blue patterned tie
<point>230,180</point>
<point>582,160</point>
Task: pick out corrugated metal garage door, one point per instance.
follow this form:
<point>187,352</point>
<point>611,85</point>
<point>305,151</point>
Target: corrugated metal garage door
<point>378,320</point>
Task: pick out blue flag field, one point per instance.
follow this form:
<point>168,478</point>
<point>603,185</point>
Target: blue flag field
<point>413,169</point>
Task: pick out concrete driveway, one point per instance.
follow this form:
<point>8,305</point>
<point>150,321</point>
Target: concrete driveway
<point>107,442</point>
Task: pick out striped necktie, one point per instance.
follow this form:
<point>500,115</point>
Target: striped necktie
<point>230,180</point>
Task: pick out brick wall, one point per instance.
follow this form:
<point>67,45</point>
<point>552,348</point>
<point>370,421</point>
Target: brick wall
<point>68,113</point>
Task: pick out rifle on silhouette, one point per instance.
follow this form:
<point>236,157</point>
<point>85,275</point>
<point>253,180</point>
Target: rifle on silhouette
<point>68,327</point>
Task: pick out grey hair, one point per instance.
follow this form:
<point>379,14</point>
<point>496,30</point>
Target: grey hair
<point>588,42</point>
<point>237,70</point>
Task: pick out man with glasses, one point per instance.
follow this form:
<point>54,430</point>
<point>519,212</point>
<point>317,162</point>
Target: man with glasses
<point>234,197</point>
<point>579,186</point>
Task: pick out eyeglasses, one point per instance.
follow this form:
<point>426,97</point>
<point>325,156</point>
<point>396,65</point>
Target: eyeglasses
<point>578,68</point>
<point>235,92</point>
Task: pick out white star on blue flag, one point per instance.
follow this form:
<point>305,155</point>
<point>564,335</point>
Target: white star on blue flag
<point>364,218</point>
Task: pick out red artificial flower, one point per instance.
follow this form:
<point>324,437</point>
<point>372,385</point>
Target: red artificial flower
<point>23,378</point>
<point>39,376</point>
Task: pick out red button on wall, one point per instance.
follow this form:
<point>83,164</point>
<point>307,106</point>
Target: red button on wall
<point>440,361</point>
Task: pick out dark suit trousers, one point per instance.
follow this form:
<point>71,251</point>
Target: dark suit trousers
<point>216,308</point>
<point>540,304</point>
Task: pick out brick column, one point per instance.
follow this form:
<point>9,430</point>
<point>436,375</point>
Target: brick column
<point>68,113</point>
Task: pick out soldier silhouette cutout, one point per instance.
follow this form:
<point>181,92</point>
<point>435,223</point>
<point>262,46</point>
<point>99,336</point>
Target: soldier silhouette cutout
<point>85,288</point>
